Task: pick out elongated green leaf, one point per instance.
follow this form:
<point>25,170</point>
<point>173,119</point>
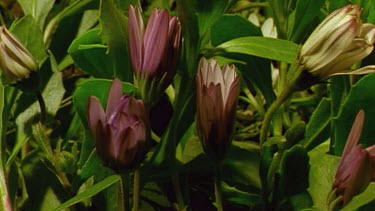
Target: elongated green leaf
<point>363,198</point>
<point>306,11</point>
<point>29,33</point>
<point>270,48</point>
<point>361,96</point>
<point>91,191</point>
<point>322,170</point>
<point>38,9</point>
<point>89,54</point>
<point>318,126</point>
<point>115,33</point>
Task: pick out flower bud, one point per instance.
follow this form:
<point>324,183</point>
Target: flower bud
<point>154,51</point>
<point>338,42</point>
<point>217,94</point>
<point>16,62</point>
<point>121,132</point>
<point>356,168</point>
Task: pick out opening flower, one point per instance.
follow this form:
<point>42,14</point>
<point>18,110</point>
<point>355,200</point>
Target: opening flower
<point>120,132</point>
<point>356,168</point>
<point>338,42</point>
<point>217,94</point>
<point>16,62</point>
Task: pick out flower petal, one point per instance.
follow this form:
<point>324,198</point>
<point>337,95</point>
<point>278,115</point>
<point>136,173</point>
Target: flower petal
<point>94,114</point>
<point>114,96</point>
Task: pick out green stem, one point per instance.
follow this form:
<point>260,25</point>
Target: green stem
<point>285,94</point>
<point>123,193</point>
<point>177,191</point>
<point>43,110</point>
<point>136,190</point>
<point>217,183</point>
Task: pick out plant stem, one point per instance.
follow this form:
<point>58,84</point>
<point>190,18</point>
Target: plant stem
<point>42,106</point>
<point>285,94</point>
<point>217,184</point>
<point>136,190</point>
<point>177,190</point>
<point>123,193</point>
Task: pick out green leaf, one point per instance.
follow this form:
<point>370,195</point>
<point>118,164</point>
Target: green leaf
<point>361,96</point>
<point>317,130</point>
<point>38,9</point>
<point>322,171</point>
<point>294,170</point>
<point>235,196</point>
<point>362,199</point>
<point>241,164</point>
<point>90,191</point>
<point>265,47</point>
<point>115,33</point>
<point>29,33</point>
<point>226,29</point>
<point>208,12</point>
<point>306,11</point>
<point>89,54</point>
<point>44,190</point>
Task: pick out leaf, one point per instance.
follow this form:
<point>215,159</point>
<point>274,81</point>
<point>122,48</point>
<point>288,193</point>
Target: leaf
<point>115,33</point>
<point>44,190</point>
<point>361,96</point>
<point>226,29</point>
<point>362,199</point>
<point>29,33</point>
<point>38,9</point>
<point>241,164</point>
<point>235,196</point>
<point>322,170</point>
<point>208,12</point>
<point>254,69</point>
<point>90,191</point>
<point>265,47</point>
<point>89,54</point>
<point>317,130</point>
<point>306,11</point>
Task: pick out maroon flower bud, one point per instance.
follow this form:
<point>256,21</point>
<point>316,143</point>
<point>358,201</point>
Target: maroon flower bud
<point>155,51</point>
<point>121,132</point>
<point>356,167</point>
<point>217,94</point>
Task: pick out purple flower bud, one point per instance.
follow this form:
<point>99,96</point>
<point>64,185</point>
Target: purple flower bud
<point>121,132</point>
<point>154,51</point>
<point>217,94</point>
<point>356,167</point>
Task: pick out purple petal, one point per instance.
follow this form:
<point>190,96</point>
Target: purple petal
<point>136,33</point>
<point>95,114</point>
<point>355,133</point>
<point>155,41</point>
<point>114,96</point>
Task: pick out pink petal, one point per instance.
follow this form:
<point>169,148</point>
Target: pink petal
<point>136,32</point>
<point>114,96</point>
<point>355,133</point>
<point>155,41</point>
<point>95,114</point>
